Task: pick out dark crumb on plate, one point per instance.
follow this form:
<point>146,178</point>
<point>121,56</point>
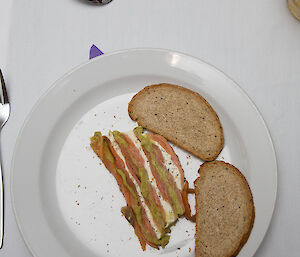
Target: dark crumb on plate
<point>190,249</point>
<point>95,114</point>
<point>78,186</point>
<point>178,248</point>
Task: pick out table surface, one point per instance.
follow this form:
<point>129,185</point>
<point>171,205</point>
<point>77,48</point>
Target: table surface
<point>257,43</point>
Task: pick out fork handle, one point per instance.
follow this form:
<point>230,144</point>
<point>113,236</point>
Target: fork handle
<point>1,207</point>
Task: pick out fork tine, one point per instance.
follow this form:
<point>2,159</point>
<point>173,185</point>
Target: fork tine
<point>3,92</point>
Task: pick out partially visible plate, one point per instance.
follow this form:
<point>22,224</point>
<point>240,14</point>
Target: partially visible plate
<point>67,204</point>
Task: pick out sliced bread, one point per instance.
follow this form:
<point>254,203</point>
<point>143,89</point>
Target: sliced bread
<point>224,210</point>
<point>182,116</point>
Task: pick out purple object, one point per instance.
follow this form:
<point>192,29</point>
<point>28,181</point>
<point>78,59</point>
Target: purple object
<point>94,52</point>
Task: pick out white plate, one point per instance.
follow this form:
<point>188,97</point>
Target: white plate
<point>67,204</point>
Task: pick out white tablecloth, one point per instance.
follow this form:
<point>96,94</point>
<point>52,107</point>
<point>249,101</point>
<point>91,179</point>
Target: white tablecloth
<point>257,43</point>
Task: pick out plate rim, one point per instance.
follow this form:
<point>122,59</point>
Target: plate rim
<point>124,51</point>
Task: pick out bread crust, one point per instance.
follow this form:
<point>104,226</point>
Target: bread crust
<point>245,237</point>
<point>134,117</point>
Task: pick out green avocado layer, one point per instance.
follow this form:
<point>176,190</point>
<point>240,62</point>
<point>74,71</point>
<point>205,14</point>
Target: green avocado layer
<point>145,185</point>
<point>147,144</point>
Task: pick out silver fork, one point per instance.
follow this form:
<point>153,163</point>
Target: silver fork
<point>4,114</point>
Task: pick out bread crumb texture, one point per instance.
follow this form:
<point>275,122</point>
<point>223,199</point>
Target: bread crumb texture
<point>182,116</point>
<point>225,210</point>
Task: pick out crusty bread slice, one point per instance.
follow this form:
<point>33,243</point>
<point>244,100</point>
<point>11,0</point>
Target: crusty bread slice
<point>182,116</point>
<point>224,210</point>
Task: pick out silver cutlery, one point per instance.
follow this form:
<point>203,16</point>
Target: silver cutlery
<point>4,115</point>
<point>100,1</point>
